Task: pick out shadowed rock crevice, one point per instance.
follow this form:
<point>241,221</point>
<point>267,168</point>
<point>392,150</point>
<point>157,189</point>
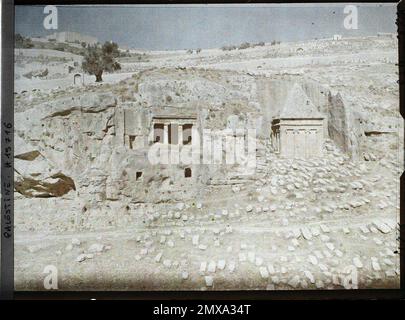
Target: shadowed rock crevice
<point>56,185</point>
<point>28,156</point>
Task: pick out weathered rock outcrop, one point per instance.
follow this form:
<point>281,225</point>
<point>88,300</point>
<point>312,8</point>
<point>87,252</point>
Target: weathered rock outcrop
<point>341,125</point>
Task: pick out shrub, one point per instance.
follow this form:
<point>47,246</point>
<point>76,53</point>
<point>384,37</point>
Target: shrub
<point>99,59</point>
<point>244,45</point>
<point>21,42</point>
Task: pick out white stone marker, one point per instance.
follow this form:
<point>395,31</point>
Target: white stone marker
<point>263,272</point>
<point>203,267</point>
<point>209,281</point>
<point>242,257</point>
<point>259,261</point>
<point>195,239</point>
<point>310,276</point>
<point>313,259</point>
<point>221,264</point>
<point>212,266</point>
<point>357,262</point>
<point>158,257</point>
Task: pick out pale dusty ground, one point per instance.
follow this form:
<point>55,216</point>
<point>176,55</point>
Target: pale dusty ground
<point>307,236</point>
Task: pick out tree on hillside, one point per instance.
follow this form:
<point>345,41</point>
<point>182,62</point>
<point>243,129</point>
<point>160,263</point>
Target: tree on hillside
<point>22,42</point>
<point>99,59</point>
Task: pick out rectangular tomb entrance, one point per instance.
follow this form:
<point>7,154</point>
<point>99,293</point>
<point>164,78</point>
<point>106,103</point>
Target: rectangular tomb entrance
<point>175,130</point>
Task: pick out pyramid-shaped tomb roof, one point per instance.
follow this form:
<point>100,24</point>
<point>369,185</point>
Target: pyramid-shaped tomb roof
<point>299,106</point>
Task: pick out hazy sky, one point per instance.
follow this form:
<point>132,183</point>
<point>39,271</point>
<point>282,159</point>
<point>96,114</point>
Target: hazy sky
<point>161,27</point>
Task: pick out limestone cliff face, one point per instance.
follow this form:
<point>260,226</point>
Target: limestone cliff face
<point>56,142</point>
<point>81,143</point>
<point>342,127</point>
<point>89,147</point>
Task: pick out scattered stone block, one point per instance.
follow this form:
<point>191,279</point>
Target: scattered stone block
<point>242,257</point>
<point>251,256</point>
<point>81,257</point>
<point>357,262</point>
<point>318,254</point>
<point>324,238</point>
<point>259,261</point>
<point>294,282</point>
<point>270,268</point>
<point>212,266</point>
<point>324,228</point>
<point>167,263</point>
<point>381,226</point>
<point>158,257</point>
<point>315,231</point>
<point>319,284</point>
<point>76,242</point>
<point>275,279</point>
<point>263,272</point>
<point>313,259</point>
<point>310,277</point>
<point>231,266</point>
<point>221,264</point>
<point>203,267</point>
<point>327,253</point>
<point>195,239</point>
<point>306,233</point>
<point>209,281</point>
<point>375,264</point>
<point>323,267</point>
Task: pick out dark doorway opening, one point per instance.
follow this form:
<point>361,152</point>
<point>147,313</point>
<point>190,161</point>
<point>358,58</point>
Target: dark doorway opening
<point>187,137</point>
<point>158,129</point>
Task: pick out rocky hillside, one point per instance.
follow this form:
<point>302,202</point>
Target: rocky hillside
<point>75,177</point>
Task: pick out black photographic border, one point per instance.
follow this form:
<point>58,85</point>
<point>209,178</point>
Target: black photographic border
<point>7,184</point>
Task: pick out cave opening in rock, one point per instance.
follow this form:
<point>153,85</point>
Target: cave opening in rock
<point>187,173</point>
<point>131,141</point>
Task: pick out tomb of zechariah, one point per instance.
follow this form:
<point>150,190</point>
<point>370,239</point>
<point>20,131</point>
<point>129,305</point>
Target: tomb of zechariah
<point>298,130</point>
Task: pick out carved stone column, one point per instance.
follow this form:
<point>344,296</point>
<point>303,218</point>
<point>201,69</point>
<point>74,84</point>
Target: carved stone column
<point>180,134</point>
<point>166,133</point>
